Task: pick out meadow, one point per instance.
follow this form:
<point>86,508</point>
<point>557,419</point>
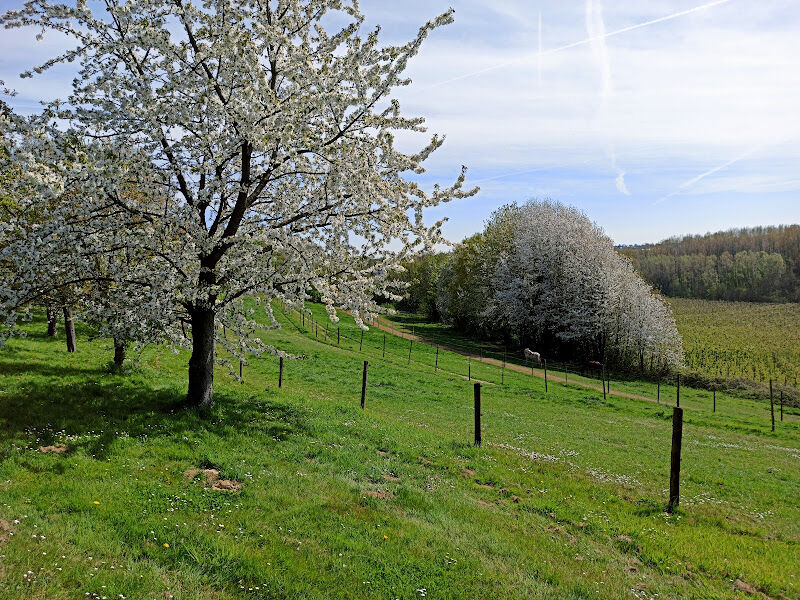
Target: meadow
<point>734,347</point>
<point>740,340</point>
<point>565,498</point>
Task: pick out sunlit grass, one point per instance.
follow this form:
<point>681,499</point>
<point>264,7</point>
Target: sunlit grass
<point>565,499</point>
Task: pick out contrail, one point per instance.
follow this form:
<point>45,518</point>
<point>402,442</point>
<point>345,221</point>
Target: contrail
<point>539,54</point>
<point>579,43</point>
<point>596,28</point>
<point>690,182</point>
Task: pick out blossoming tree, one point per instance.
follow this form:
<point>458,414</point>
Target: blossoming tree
<point>543,274</point>
<point>267,137</point>
<point>58,247</point>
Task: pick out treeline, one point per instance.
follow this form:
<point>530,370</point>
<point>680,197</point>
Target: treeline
<point>752,264</point>
<point>543,276</point>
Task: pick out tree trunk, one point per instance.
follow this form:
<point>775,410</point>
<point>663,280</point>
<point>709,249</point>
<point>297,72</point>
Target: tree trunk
<point>119,352</point>
<point>52,321</point>
<point>201,364</point>
<point>69,328</point>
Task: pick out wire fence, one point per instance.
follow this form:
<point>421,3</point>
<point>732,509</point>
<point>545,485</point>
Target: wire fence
<point>390,353</point>
<point>489,366</point>
<point>338,338</point>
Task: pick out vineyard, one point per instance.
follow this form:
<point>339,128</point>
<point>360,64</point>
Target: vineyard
<point>740,340</point>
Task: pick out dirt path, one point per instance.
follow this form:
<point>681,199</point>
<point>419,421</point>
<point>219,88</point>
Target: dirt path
<point>383,325</point>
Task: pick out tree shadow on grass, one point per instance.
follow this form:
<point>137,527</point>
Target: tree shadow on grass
<point>43,368</point>
<point>408,319</point>
<point>115,407</point>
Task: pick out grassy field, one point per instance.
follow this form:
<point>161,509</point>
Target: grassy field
<point>730,346</point>
<point>565,499</point>
<point>747,340</point>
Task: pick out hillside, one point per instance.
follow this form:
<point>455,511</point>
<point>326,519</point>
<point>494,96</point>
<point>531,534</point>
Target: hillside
<point>750,264</point>
<point>740,340</point>
<point>565,498</point>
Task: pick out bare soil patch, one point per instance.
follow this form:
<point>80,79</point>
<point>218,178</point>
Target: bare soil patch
<point>5,531</point>
<point>743,586</point>
<point>227,485</point>
<point>56,449</point>
<point>211,477</point>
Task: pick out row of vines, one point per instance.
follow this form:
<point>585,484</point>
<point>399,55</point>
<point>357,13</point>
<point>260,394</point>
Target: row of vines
<point>740,340</point>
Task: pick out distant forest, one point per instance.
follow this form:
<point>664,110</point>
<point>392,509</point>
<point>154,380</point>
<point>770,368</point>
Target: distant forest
<point>753,264</point>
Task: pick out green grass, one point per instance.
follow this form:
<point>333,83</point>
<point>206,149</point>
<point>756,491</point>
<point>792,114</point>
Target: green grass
<point>733,400</point>
<point>734,348</point>
<point>565,499</point>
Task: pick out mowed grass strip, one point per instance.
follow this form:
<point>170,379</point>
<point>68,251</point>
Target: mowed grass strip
<point>565,499</point>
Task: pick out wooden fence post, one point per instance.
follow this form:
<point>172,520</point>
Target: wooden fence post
<point>678,392</point>
<point>337,336</point>
<point>364,385</point>
<point>280,372</point>
<point>477,414</point>
<point>771,405</point>
<point>503,371</point>
<point>410,345</point>
<point>436,368</point>
<point>714,392</point>
<point>469,368</point>
<point>781,405</point>
<point>658,392</point>
<point>240,369</point>
<point>565,373</point>
<point>603,375</point>
<point>675,459</point>
<point>384,346</point>
<point>545,375</point>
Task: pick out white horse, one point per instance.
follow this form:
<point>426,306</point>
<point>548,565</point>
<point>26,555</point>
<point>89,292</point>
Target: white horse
<point>531,355</point>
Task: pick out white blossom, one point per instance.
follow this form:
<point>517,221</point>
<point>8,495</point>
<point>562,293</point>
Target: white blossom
<point>544,274</point>
<point>260,147</point>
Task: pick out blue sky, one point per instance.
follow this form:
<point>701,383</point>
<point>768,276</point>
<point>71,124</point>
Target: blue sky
<point>683,125</point>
